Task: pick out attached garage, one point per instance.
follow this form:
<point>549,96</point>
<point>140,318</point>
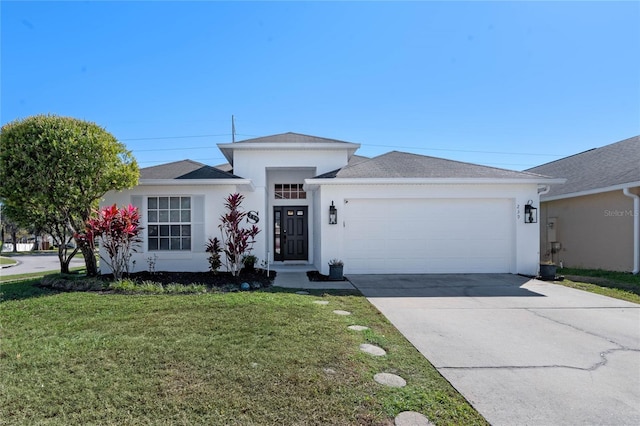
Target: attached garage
<point>403,213</point>
<point>429,235</point>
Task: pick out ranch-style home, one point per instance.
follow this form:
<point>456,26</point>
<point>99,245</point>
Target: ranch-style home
<point>314,200</point>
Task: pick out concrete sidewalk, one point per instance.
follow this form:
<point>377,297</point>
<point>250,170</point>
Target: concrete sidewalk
<point>523,352</point>
<point>297,279</point>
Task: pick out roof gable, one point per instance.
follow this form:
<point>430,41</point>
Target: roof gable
<point>286,142</point>
<point>599,168</point>
<point>290,137</point>
<point>184,169</point>
<point>396,164</point>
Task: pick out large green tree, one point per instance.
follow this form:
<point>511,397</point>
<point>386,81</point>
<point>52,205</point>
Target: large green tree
<point>54,170</point>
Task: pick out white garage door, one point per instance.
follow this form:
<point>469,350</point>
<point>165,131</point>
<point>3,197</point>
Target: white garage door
<point>428,236</point>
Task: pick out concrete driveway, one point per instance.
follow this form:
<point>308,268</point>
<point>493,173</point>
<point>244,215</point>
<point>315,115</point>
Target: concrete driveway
<point>521,351</point>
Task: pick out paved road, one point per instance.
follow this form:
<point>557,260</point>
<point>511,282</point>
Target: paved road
<point>38,263</point>
<point>523,352</point>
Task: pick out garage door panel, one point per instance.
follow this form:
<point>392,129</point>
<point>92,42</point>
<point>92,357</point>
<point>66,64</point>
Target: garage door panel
<point>428,236</point>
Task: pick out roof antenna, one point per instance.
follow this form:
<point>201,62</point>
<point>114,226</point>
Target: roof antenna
<point>233,129</point>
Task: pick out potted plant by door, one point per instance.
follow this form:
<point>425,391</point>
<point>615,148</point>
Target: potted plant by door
<point>548,271</point>
<point>335,270</point>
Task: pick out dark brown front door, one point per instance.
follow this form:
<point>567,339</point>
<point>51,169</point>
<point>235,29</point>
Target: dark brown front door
<point>290,234</point>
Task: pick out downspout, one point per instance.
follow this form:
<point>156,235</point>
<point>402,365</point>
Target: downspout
<point>636,229</point>
<point>541,191</point>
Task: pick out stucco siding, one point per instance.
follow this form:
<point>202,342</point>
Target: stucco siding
<point>523,245</point>
<point>205,219</point>
<point>253,164</point>
<point>595,231</point>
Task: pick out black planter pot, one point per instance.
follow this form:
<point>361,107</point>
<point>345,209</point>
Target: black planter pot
<point>548,272</point>
<point>335,272</point>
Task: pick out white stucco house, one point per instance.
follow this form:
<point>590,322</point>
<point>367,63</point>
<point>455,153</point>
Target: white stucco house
<point>394,213</point>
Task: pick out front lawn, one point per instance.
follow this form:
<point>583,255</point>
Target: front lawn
<point>264,357</point>
<point>34,275</point>
<point>620,285</point>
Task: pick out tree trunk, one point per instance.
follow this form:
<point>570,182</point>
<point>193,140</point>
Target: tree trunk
<point>14,237</point>
<point>65,258</point>
<point>64,263</point>
<point>90,263</point>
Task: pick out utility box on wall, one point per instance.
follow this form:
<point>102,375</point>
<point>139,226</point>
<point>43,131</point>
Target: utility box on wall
<point>552,226</point>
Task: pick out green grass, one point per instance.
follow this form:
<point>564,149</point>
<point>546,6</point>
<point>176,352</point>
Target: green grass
<point>247,358</point>
<point>7,261</point>
<point>33,275</point>
<point>620,285</point>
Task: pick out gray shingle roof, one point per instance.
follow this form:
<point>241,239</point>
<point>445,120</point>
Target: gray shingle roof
<point>397,164</point>
<point>184,169</point>
<point>607,166</point>
<point>290,137</point>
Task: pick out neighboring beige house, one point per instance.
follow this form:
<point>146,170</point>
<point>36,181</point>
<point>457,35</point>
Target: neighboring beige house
<point>593,220</point>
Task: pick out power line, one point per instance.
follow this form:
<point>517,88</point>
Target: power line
<point>364,145</point>
<point>194,159</point>
<point>181,137</point>
<point>173,137</point>
<point>171,149</point>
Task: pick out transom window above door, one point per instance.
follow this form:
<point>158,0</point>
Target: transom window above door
<point>289,191</point>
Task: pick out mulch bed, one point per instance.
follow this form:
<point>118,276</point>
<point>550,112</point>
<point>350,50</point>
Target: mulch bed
<point>209,279</point>
<point>224,281</point>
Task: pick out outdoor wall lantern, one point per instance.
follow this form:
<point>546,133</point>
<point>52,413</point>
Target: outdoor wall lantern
<point>333,214</point>
<point>530,213</point>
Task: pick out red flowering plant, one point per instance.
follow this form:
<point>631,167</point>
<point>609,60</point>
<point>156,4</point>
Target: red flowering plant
<point>119,232</point>
<point>237,241</point>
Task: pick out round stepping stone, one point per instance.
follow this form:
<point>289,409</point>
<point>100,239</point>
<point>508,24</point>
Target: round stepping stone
<point>340,312</point>
<point>412,418</point>
<point>321,302</point>
<point>304,293</point>
<point>389,379</point>
<point>357,327</point>
<point>372,349</point>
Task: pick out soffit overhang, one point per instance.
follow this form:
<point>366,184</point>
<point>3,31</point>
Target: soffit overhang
<point>228,149</point>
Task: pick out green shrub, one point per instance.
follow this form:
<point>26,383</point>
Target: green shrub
<point>150,287</point>
<point>214,250</point>
<point>185,289</point>
<point>71,282</point>
<point>123,286</point>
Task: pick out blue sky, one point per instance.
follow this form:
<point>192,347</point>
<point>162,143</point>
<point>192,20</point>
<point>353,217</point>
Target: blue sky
<point>506,84</point>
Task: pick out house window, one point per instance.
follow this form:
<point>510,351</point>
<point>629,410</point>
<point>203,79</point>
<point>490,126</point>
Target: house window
<point>289,191</point>
<point>168,223</point>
